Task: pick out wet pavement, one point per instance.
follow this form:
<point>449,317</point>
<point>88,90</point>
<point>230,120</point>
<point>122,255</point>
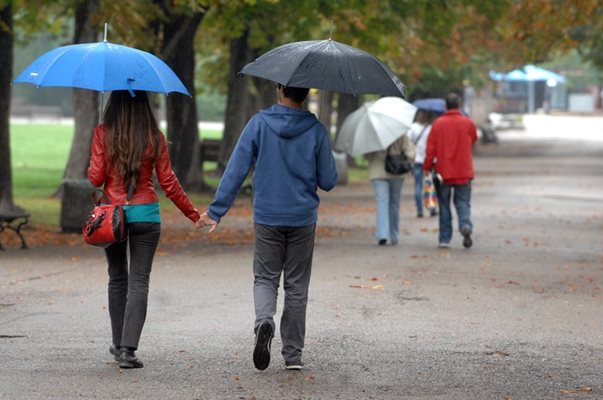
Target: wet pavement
<point>517,316</point>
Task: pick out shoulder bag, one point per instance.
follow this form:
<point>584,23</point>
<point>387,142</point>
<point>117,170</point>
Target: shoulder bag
<point>106,223</point>
<point>397,164</point>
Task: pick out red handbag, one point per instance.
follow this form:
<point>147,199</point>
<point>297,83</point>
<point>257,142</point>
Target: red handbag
<point>106,223</point>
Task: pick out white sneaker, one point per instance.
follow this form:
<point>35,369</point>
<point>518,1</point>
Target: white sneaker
<point>443,245</point>
<point>294,366</point>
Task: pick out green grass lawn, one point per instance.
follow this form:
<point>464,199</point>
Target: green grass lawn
<point>39,154</point>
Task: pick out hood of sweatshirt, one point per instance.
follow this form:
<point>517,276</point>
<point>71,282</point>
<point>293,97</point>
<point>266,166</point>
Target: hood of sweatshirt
<point>288,122</point>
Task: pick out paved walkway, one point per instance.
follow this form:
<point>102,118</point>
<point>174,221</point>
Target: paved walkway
<point>518,316</point>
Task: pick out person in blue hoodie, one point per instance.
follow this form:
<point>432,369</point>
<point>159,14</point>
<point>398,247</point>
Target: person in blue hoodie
<point>290,152</point>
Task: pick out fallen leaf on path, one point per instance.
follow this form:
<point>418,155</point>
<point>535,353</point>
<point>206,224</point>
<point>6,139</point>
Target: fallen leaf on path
<point>373,279</point>
<point>497,353</point>
<point>366,286</point>
<point>583,389</point>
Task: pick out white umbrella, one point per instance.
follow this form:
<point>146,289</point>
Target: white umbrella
<point>375,126</point>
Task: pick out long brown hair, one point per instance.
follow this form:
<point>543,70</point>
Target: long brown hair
<point>129,126</point>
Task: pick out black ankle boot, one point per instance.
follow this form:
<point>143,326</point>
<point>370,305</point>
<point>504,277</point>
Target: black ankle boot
<point>115,351</point>
<point>128,359</point>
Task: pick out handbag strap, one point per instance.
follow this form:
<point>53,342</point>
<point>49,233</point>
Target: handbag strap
<point>421,134</point>
<point>102,196</point>
<point>130,193</point>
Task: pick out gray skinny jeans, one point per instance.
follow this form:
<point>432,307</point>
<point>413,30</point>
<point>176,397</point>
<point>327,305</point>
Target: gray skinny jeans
<point>286,250</point>
<point>129,290</point>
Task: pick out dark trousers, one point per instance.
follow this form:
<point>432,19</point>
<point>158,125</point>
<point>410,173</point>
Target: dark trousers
<point>287,251</point>
<point>129,290</point>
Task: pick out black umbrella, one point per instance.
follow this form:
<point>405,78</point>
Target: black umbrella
<point>328,65</point>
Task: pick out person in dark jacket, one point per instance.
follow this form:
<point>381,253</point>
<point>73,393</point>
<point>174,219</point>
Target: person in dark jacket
<point>291,155</point>
<point>126,149</point>
<point>450,152</point>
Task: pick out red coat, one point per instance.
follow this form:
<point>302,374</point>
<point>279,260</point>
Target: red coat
<point>450,147</point>
<point>100,172</point>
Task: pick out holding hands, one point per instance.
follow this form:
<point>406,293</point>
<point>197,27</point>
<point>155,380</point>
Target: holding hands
<point>204,221</point>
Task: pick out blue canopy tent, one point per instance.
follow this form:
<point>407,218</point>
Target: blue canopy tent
<point>529,74</point>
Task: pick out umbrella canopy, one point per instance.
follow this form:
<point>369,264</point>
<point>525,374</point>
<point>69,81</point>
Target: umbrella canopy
<point>375,126</point>
<point>102,66</point>
<point>528,73</point>
<point>434,105</point>
<point>328,65</point>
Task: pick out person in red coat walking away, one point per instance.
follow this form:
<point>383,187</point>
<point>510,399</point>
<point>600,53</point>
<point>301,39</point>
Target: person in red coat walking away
<point>450,153</point>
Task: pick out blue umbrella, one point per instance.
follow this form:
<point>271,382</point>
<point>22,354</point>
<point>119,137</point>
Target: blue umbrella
<point>435,105</point>
<point>102,66</point>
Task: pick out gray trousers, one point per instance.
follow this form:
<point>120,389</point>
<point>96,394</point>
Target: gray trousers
<point>129,290</point>
<point>287,251</point>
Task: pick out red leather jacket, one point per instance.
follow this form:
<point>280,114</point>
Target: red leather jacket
<point>101,172</point>
<point>450,147</point>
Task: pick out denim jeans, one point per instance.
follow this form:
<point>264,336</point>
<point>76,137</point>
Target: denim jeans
<point>129,287</point>
<point>387,197</point>
<point>417,171</point>
<point>286,251</point>
<point>462,203</point>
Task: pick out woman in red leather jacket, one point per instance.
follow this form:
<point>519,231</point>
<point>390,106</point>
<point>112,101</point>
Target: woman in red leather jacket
<point>126,149</point>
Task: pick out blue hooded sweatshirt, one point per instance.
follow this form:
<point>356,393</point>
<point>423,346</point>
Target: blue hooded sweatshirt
<point>292,156</point>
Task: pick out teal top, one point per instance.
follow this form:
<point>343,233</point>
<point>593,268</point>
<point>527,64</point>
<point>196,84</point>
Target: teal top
<point>142,212</point>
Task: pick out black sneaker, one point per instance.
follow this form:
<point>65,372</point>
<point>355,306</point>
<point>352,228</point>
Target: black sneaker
<point>128,359</point>
<point>115,351</point>
<point>382,242</point>
<point>467,242</point>
<point>263,340</point>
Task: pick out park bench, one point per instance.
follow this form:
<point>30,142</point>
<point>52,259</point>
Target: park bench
<point>14,220</point>
<point>209,150</point>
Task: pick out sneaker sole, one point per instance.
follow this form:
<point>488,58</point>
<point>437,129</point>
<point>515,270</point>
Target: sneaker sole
<point>261,351</point>
<point>129,365</point>
<point>294,367</point>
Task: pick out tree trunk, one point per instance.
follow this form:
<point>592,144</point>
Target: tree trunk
<point>265,95</point>
<point>238,102</point>
<point>6,74</point>
<point>346,104</point>
<point>325,112</point>
<point>182,120</point>
<point>85,102</point>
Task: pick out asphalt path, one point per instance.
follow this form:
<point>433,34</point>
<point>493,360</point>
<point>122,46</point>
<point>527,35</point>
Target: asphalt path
<point>517,316</point>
